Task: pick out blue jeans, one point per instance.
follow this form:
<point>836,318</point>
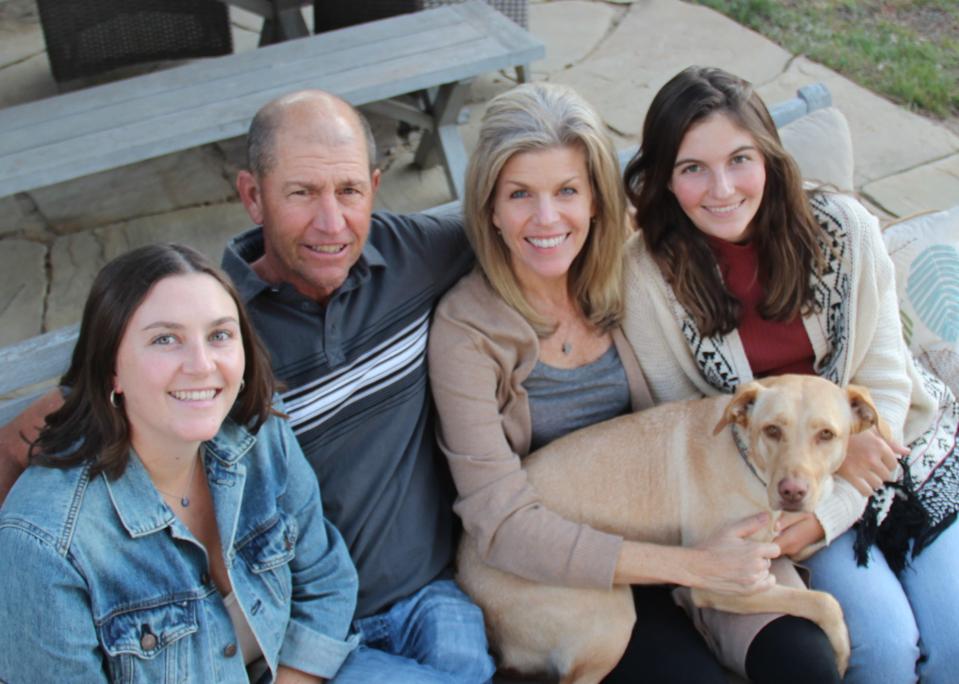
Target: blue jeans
<point>435,635</point>
<point>901,628</point>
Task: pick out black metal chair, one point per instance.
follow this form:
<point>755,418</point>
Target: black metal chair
<point>517,10</point>
<point>88,37</point>
<point>329,15</point>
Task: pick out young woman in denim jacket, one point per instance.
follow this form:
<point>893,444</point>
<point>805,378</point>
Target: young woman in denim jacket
<point>169,528</point>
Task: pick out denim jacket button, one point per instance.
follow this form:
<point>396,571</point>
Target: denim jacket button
<point>148,641</point>
<point>229,650</point>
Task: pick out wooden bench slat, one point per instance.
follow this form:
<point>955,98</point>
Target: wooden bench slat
<point>37,359</point>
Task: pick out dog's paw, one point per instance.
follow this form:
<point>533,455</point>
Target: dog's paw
<point>842,649</point>
<point>834,624</point>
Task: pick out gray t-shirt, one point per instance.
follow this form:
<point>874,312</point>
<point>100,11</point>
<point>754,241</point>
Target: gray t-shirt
<point>565,399</point>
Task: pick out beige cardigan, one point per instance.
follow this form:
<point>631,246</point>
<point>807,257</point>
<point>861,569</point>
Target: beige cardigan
<point>480,352</point>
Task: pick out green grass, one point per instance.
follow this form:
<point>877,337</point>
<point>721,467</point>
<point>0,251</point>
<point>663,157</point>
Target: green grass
<point>907,50</point>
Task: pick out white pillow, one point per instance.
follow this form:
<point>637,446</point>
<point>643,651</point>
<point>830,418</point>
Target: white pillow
<point>925,251</point>
<point>821,144</point>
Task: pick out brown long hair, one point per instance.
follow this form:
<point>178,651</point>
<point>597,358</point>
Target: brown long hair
<point>785,232</point>
<point>88,428</point>
<point>541,116</point>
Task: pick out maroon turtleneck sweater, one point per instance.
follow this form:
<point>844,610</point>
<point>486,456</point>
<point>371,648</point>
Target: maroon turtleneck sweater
<point>772,348</point>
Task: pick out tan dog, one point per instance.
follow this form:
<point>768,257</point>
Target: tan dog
<point>670,475</point>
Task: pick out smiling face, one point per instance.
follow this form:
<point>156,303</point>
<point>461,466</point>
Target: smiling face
<point>316,200</point>
<point>542,206</point>
<point>180,363</point>
<point>718,178</point>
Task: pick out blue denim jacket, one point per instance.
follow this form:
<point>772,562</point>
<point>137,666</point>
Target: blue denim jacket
<point>101,582</point>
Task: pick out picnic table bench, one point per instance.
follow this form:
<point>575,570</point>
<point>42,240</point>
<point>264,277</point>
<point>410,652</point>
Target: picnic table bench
<point>29,368</point>
<point>434,53</point>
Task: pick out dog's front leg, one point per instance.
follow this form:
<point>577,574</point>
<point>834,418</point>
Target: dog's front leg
<point>817,606</point>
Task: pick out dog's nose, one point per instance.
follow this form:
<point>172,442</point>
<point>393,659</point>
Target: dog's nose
<point>793,490</point>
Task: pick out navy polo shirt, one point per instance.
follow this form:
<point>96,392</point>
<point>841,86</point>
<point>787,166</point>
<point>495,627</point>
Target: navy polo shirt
<point>358,394</point>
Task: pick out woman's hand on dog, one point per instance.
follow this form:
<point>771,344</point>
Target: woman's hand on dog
<point>730,563</point>
<point>797,531</point>
<point>870,461</point>
<point>727,562</point>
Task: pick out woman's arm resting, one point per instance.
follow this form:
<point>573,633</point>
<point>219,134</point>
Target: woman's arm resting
<point>726,562</point>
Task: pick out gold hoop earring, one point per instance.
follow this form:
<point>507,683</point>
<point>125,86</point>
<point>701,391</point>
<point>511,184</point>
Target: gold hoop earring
<point>242,385</point>
<point>114,399</point>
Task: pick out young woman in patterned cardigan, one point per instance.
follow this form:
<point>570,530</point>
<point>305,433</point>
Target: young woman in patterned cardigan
<point>740,272</point>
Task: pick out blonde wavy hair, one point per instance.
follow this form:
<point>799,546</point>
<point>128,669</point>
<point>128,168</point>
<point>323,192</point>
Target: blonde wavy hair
<point>541,116</point>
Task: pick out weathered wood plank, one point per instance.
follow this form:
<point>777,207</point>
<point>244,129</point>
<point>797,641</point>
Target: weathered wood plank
<point>193,99</point>
<point>211,69</point>
<point>37,359</point>
<point>368,44</point>
<point>108,126</point>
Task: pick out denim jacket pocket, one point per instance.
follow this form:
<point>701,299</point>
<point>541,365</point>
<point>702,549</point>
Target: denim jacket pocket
<point>268,553</point>
<point>148,645</point>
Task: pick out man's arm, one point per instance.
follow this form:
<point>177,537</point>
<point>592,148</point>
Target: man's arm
<point>15,438</point>
<point>440,244</point>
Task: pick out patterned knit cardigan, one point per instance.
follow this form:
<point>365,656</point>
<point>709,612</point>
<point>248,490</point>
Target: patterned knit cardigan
<point>856,336</point>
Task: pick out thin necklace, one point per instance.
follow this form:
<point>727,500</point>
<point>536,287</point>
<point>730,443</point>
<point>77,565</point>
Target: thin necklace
<point>566,346</point>
<point>183,500</point>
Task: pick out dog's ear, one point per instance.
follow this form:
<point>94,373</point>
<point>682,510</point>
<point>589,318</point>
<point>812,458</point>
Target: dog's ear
<point>864,412</point>
<point>737,410</point>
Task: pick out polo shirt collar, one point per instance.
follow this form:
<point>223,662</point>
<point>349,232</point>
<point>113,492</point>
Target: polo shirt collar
<point>240,252</point>
<point>247,247</point>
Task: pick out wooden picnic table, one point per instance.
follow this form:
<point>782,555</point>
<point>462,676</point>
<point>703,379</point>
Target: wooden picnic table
<point>435,53</point>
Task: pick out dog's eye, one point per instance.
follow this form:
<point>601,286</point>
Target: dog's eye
<point>773,432</point>
<point>825,435</point>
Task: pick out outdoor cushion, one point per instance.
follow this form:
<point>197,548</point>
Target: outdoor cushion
<point>925,251</point>
<point>821,144</point>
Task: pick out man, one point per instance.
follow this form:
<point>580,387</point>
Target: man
<point>342,300</point>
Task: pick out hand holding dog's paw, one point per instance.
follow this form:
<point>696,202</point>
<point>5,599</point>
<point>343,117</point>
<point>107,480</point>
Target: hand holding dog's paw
<point>798,530</point>
<point>729,563</point>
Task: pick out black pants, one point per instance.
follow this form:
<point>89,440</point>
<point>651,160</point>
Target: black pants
<point>665,647</point>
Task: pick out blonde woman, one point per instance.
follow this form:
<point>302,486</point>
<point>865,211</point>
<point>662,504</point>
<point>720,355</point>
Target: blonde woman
<point>528,347</point>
